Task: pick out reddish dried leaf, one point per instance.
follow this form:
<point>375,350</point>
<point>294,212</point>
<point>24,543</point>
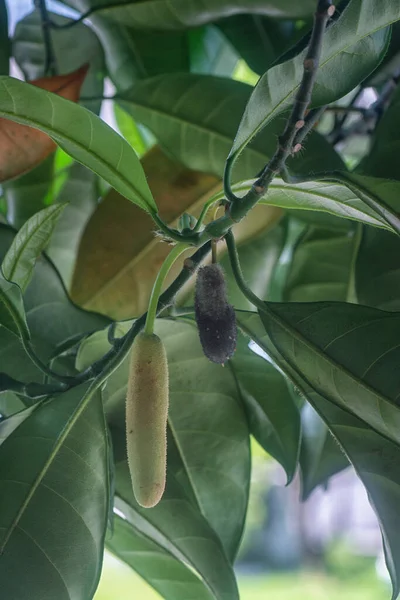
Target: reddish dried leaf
<point>22,147</point>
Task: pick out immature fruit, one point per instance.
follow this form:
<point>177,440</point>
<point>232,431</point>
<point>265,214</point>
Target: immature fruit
<point>146,418</point>
<point>215,317</point>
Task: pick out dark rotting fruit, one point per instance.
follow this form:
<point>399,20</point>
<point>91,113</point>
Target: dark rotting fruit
<point>215,317</point>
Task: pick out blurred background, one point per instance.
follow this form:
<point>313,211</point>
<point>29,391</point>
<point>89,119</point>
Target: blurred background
<point>325,548</point>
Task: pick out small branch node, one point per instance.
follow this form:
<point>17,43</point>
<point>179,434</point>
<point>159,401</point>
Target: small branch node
<point>310,64</point>
<point>331,10</point>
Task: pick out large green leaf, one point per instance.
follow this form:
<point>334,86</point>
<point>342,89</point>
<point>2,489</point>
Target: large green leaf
<point>156,564</point>
<point>209,437</point>
<point>178,14</point>
<point>81,134</point>
<point>51,316</point>
<point>381,195</point>
<point>378,269</point>
<point>196,117</point>
<point>352,48</point>
<point>320,455</point>
<point>346,353</point>
<point>54,480</point>
<point>374,457</point>
<point>133,54</point>
<point>330,197</point>
<point>4,40</point>
<point>12,312</point>
<point>72,48</point>
<point>10,403</point>
<point>322,266</point>
<point>178,527</point>
<point>273,416</point>
<point>375,460</point>
<point>381,160</point>
<point>80,192</point>
<point>19,262</point>
<point>210,52</point>
<point>260,40</point>
<point>26,194</point>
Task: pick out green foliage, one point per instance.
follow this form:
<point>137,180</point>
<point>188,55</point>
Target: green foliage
<point>60,438</point>
<point>314,284</point>
<point>80,133</point>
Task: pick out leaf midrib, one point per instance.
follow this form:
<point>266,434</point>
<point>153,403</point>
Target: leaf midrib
<point>58,135</point>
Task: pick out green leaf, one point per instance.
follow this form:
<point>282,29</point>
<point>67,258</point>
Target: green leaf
<point>195,117</point>
<point>209,437</point>
<point>133,54</point>
<point>51,316</point>
<point>259,40</point>
<point>72,48</point>
<point>352,48</point>
<point>378,269</point>
<point>4,40</point>
<point>177,525</point>
<point>210,52</point>
<point>382,159</point>
<point>81,134</point>
<point>326,196</point>
<point>375,460</point>
<point>322,342</point>
<point>273,416</point>
<point>381,195</point>
<point>130,130</point>
<point>27,194</point>
<point>322,266</point>
<point>19,262</point>
<point>374,456</point>
<point>320,455</point>
<point>81,192</point>
<point>10,403</point>
<point>54,469</point>
<point>156,564</point>
<point>12,312</point>
<point>178,14</point>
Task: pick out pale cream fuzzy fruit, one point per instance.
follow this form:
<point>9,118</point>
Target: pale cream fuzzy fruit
<point>146,418</point>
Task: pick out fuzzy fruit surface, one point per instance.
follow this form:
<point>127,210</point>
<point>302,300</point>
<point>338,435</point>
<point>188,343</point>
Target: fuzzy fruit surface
<point>146,418</point>
<point>215,317</point>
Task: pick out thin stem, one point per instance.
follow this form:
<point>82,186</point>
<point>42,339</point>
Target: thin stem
<point>311,119</point>
<point>174,234</point>
<point>156,291</point>
<point>50,64</point>
<point>238,274</point>
<point>87,14</point>
<point>42,366</point>
<point>74,22</point>
<point>215,198</point>
<point>296,121</point>
<point>111,337</point>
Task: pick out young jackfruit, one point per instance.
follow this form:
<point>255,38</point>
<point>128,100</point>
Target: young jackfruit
<point>146,418</point>
<point>215,317</point>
